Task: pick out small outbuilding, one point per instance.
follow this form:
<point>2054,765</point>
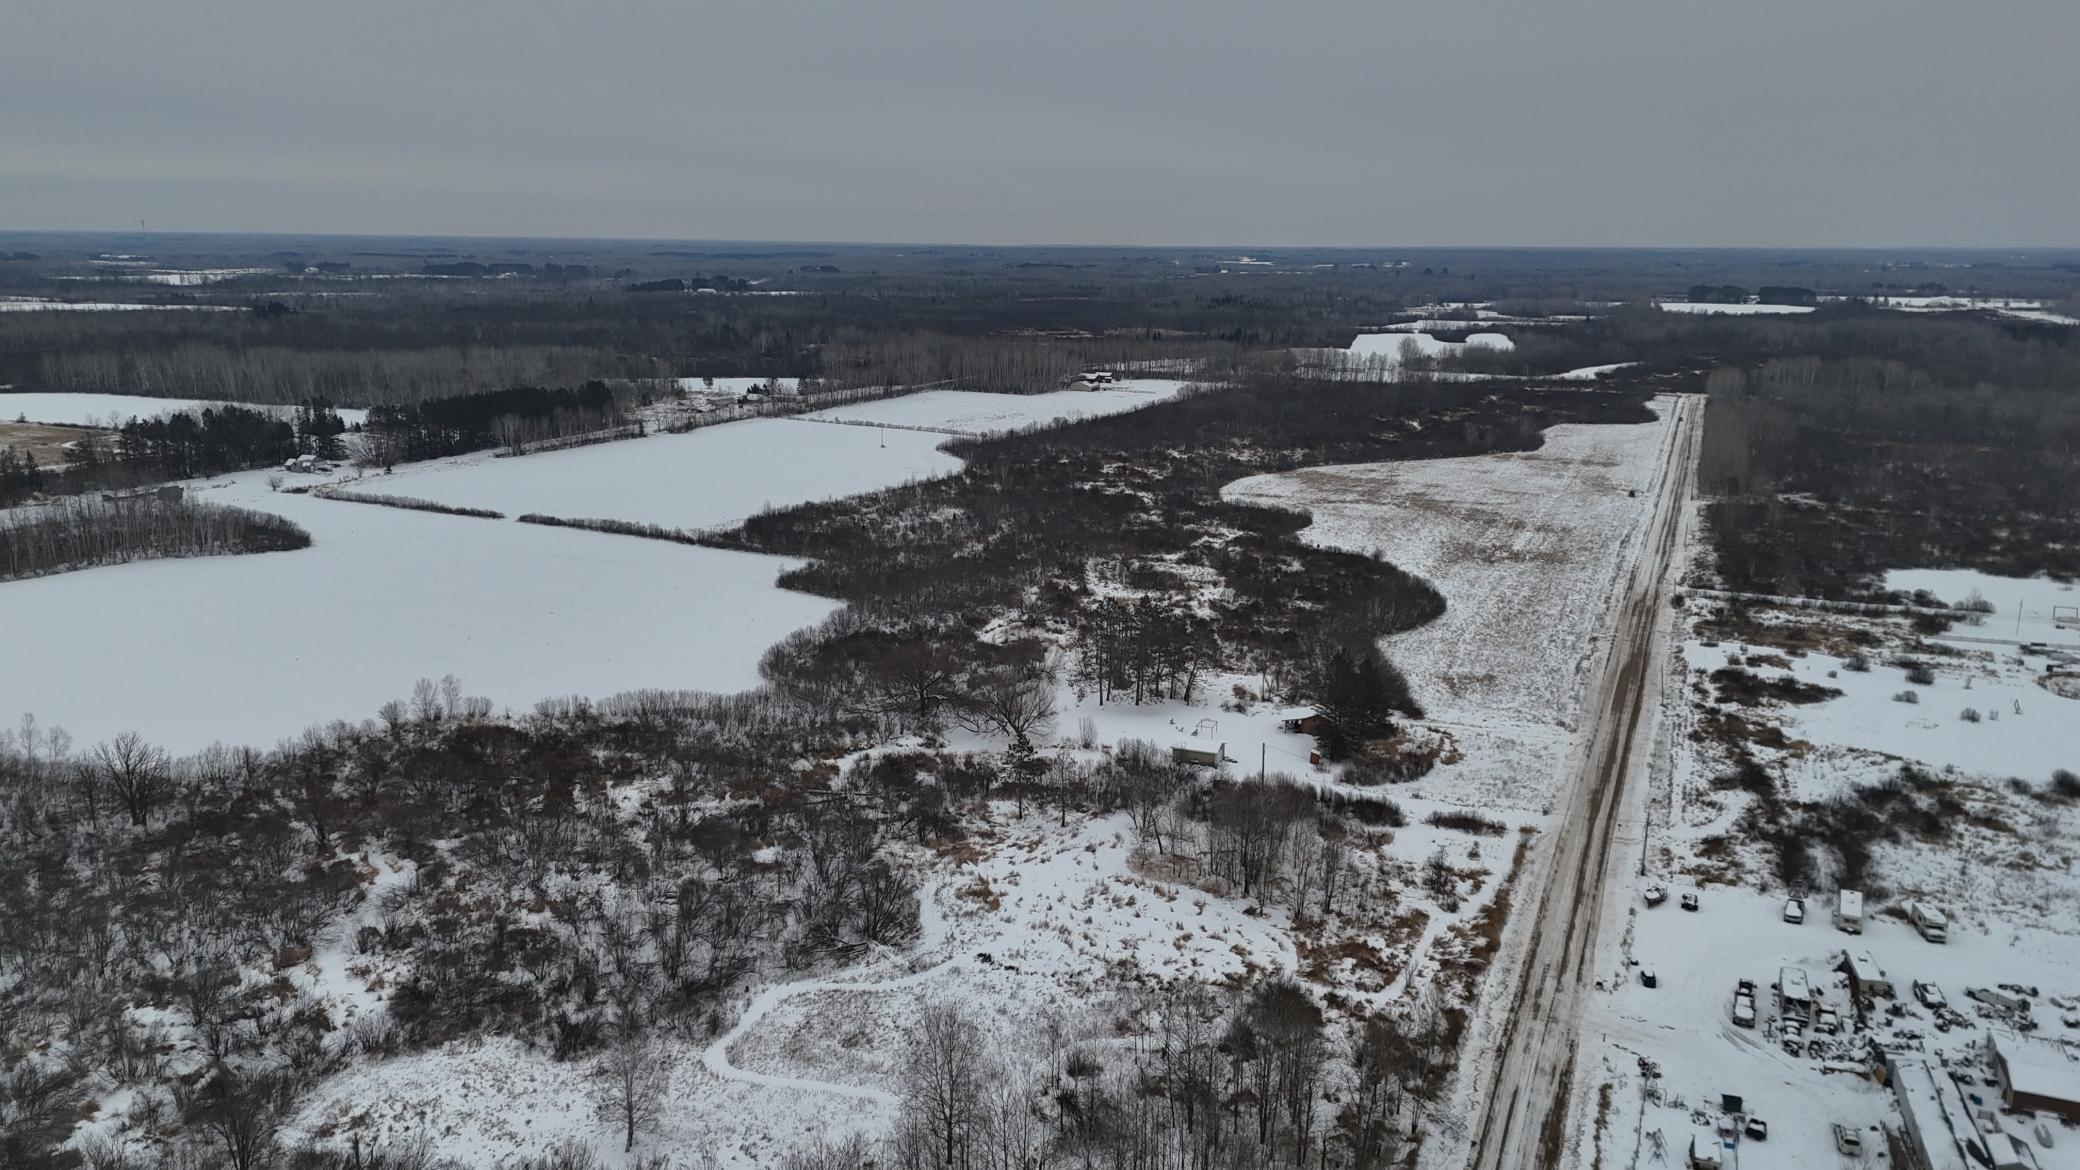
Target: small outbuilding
<point>1303,720</point>
<point>1202,752</point>
<point>2038,1075</point>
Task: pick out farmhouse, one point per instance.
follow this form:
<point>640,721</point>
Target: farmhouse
<point>2036,1075</point>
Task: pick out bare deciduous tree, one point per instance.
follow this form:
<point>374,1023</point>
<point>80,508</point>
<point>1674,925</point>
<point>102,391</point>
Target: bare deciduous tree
<point>631,1082</point>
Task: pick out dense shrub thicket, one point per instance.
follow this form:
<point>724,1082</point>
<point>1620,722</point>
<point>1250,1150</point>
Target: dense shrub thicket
<point>1137,496</point>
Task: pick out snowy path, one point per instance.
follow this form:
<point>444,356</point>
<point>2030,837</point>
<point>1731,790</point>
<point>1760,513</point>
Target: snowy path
<point>716,1056</point>
<point>1526,1095</point>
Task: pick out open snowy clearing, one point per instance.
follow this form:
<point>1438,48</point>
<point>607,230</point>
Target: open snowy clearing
<point>68,409</point>
<point>1737,310</point>
<point>2022,729</point>
<point>1390,344</point>
<point>1515,542</point>
<point>249,649</point>
<point>2025,609</point>
<point>704,478</point>
<point>978,413</point>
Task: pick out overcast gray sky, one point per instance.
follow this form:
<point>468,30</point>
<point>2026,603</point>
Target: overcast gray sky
<point>1738,122</point>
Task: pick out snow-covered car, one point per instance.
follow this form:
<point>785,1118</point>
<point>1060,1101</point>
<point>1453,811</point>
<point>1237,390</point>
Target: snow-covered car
<point>1758,1129</point>
<point>1929,994</point>
<point>1743,1011</point>
<point>1647,978</point>
<point>1657,894</point>
<point>1792,1035</point>
<point>1847,1140</point>
<point>1690,901</point>
<point>1828,1022</point>
<point>1795,911</point>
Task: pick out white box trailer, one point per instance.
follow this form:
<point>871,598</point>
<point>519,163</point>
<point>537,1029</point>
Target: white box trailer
<point>1866,978</point>
<point>1933,924</point>
<point>1794,993</point>
<point>1848,912</point>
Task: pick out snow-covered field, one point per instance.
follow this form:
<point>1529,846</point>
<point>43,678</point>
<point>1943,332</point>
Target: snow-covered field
<point>1523,546</point>
<point>2031,609</point>
<point>704,478</point>
<point>975,413</point>
<point>1737,310</point>
<point>2020,310</point>
<point>1390,344</point>
<point>70,409</point>
<point>1377,356</point>
<point>250,649</point>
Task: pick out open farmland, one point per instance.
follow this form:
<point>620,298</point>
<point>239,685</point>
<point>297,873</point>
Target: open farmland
<point>970,412</point>
<point>41,441</point>
<point>712,476</point>
<point>250,649</point>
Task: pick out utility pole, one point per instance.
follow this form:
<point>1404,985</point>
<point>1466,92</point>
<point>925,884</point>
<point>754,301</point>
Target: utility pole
<point>1263,759</point>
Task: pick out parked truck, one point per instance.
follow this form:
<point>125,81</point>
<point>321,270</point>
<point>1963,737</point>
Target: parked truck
<point>1933,924</point>
<point>1848,912</point>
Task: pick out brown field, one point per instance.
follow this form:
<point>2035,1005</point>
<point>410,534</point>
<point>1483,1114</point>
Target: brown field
<point>45,442</point>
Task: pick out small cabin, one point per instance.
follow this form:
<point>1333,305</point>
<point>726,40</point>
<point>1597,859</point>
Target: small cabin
<point>1201,752</point>
<point>1300,720</point>
<point>1096,378</point>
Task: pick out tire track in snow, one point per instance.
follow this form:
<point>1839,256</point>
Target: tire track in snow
<point>715,1057</point>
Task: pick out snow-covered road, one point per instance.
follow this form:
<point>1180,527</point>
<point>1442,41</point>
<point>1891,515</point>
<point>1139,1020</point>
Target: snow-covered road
<point>1526,1100</point>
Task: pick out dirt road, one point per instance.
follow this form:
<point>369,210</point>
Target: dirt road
<point>1526,1105</point>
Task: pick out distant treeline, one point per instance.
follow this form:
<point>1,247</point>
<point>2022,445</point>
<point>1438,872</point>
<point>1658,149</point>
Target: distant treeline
<point>1010,365</point>
<point>677,285</point>
<point>80,534</point>
<point>473,268</point>
<point>476,422</point>
<point>277,374</point>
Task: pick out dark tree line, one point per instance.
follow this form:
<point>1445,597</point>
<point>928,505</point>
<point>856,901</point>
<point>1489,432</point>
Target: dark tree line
<point>1828,473</point>
<point>476,422</point>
